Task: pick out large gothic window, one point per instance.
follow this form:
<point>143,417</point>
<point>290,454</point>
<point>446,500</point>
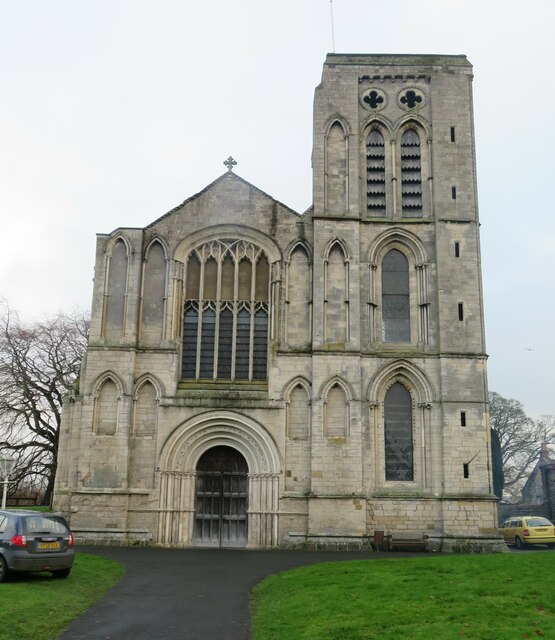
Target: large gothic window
<point>225,321</point>
<point>411,174</point>
<point>395,297</point>
<point>398,434</point>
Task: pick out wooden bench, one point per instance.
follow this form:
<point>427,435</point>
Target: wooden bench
<point>407,540</point>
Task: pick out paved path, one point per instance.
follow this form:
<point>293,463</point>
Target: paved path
<point>187,594</point>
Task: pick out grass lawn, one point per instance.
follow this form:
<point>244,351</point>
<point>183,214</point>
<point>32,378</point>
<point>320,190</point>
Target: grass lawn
<point>494,597</point>
<point>36,606</point>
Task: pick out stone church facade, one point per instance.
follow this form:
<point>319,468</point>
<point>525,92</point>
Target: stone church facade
<point>260,378</point>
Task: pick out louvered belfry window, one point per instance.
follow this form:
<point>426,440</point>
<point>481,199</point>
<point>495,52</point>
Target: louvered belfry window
<point>411,174</point>
<point>398,434</point>
<point>395,297</point>
<point>375,173</point>
<point>225,318</point>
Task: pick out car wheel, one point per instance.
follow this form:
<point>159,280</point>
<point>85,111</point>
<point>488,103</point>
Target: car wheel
<point>3,570</point>
<point>61,573</point>
<point>518,543</point>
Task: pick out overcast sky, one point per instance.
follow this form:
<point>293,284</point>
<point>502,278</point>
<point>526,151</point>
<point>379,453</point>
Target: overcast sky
<point>113,112</point>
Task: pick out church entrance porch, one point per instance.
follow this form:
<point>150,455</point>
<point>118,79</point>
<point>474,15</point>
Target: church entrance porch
<point>219,478</point>
<point>221,494</point>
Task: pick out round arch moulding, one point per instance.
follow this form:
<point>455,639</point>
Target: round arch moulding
<point>397,235</point>
<point>190,440</point>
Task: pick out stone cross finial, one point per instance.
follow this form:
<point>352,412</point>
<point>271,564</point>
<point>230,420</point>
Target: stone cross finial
<point>230,163</point>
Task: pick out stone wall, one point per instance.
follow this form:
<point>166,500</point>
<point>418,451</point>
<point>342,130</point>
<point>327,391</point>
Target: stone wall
<point>313,431</point>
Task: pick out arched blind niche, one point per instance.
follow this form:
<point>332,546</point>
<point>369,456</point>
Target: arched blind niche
<point>336,296</point>
<point>225,318</point>
<point>298,324</point>
<point>336,169</point>
<point>144,414</point>
<point>116,292</point>
<point>336,413</point>
<point>398,434</point>
<point>154,294</point>
<point>106,409</point>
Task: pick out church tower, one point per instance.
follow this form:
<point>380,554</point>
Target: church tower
<point>398,317</point>
<point>261,378</point>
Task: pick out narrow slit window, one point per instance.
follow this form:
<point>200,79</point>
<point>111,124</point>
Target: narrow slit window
<point>461,311</point>
<point>466,470</point>
<point>454,193</point>
<point>452,134</point>
<point>463,418</point>
<point>457,249</point>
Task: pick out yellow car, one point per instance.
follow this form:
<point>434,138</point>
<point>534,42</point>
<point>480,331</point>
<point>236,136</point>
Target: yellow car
<point>524,530</point>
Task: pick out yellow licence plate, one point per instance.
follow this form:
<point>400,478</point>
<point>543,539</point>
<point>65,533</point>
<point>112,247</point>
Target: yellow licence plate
<point>49,545</point>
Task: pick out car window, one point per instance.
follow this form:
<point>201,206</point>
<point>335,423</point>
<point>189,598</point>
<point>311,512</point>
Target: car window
<point>518,523</point>
<point>3,523</point>
<point>506,524</point>
<point>538,522</point>
<point>42,524</point>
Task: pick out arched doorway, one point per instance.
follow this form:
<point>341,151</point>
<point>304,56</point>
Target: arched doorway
<point>221,493</point>
<point>178,470</point>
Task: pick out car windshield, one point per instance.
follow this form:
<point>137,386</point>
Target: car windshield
<point>43,524</point>
<point>538,522</point>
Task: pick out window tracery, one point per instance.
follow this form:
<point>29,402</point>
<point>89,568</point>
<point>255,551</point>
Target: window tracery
<point>225,319</point>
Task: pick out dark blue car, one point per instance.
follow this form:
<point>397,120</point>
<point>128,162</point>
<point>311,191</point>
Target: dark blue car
<point>35,541</point>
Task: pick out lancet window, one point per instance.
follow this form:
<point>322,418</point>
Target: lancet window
<point>375,173</point>
<point>411,174</point>
<point>395,297</point>
<point>399,463</point>
<point>225,319</point>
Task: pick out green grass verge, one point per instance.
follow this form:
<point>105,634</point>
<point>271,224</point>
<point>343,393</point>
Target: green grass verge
<point>493,597</point>
<point>39,606</point>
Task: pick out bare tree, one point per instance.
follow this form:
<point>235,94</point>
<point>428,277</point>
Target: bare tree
<point>520,438</point>
<point>39,363</point>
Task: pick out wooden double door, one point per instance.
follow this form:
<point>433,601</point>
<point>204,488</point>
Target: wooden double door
<point>221,499</point>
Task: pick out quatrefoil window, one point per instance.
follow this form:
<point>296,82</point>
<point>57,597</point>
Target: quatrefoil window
<point>373,99</point>
<point>411,99</point>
